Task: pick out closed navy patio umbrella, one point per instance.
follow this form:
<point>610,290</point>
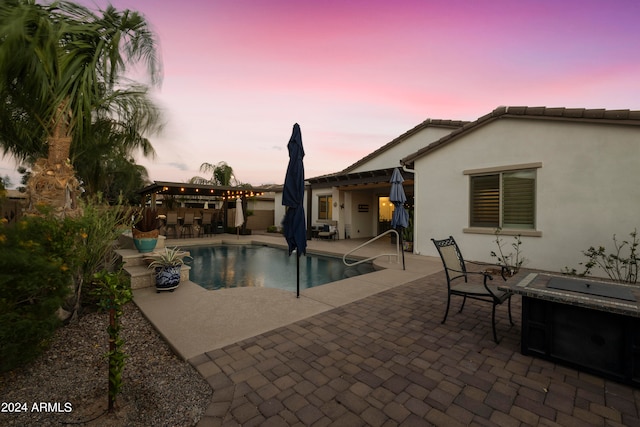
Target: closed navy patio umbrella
<point>400,218</point>
<point>294,224</point>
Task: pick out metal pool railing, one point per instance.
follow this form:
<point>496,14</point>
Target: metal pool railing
<point>397,254</point>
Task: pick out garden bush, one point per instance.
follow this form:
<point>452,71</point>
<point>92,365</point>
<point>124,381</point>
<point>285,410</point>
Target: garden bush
<point>45,265</point>
<point>95,232</point>
<point>620,265</point>
<point>34,280</point>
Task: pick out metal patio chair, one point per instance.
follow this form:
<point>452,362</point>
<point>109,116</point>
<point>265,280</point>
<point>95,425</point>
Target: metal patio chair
<point>455,267</point>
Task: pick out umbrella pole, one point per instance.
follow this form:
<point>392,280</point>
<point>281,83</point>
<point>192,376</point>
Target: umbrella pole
<point>401,245</point>
<point>297,274</point>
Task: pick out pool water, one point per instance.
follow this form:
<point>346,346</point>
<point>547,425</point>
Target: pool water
<point>232,266</point>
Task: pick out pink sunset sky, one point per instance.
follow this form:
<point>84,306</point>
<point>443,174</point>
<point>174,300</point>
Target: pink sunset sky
<point>356,74</point>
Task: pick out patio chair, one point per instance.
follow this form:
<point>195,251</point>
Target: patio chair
<point>187,224</point>
<point>455,267</point>
<point>328,232</point>
<point>172,223</point>
<point>205,225</point>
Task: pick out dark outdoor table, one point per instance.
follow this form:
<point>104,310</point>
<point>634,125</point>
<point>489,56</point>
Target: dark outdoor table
<point>589,324</point>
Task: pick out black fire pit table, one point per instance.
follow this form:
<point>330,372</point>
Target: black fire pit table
<point>591,325</point>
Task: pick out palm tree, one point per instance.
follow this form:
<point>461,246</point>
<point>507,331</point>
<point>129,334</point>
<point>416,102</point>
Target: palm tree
<point>107,167</point>
<point>221,174</point>
<point>62,88</point>
<point>113,174</point>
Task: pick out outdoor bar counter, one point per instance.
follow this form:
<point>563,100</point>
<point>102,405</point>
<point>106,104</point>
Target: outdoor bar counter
<point>590,325</point>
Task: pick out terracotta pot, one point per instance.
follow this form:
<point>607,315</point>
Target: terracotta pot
<point>137,234</point>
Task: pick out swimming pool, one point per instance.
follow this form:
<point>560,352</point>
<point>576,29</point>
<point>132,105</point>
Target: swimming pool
<point>231,266</point>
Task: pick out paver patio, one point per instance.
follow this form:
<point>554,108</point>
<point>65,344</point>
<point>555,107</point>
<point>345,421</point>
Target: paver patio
<point>387,360</point>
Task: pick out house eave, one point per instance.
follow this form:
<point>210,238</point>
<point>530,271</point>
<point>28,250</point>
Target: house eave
<point>582,115</point>
<point>342,179</point>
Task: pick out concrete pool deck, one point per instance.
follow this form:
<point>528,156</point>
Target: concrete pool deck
<point>194,320</point>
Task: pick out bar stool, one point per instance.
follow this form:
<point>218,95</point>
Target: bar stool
<point>172,223</point>
<point>206,223</point>
<point>187,224</point>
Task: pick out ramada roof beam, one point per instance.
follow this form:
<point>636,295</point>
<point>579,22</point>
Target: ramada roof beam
<point>177,189</point>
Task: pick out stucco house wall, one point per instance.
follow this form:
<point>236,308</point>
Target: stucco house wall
<point>348,196</point>
<point>587,187</point>
<point>279,210</point>
<point>363,221</point>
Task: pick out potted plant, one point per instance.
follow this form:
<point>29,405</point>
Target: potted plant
<point>167,265</point>
<point>145,229</point>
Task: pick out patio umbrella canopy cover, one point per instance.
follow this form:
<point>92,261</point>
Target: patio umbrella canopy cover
<point>295,229</point>
<point>239,219</point>
<point>400,218</point>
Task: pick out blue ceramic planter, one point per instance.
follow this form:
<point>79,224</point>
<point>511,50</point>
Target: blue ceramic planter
<point>167,278</point>
<point>145,244</point>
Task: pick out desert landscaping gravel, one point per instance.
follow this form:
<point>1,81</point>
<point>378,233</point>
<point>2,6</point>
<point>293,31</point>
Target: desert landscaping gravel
<point>68,384</point>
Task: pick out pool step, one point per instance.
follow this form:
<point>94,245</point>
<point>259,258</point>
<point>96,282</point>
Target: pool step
<point>135,266</point>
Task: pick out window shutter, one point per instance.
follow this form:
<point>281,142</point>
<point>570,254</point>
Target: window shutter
<point>518,200</point>
<point>485,201</point>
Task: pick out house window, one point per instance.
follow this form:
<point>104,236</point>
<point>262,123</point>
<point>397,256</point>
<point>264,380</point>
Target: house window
<point>503,199</point>
<point>324,207</point>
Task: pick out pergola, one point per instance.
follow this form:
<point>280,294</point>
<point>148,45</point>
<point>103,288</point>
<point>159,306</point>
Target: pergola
<point>200,192</point>
<point>203,191</point>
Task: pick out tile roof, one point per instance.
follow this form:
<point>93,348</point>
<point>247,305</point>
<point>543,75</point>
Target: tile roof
<point>356,178</point>
<point>348,176</point>
<point>453,124</point>
<point>629,117</point>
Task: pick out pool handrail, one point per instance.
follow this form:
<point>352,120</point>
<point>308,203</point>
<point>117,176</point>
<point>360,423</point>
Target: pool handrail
<point>397,254</point>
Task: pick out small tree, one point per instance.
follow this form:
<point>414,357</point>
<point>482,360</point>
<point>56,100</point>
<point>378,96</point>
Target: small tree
<point>114,291</point>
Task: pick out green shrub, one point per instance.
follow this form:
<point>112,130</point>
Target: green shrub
<point>44,264</point>
<point>34,280</point>
<point>273,229</point>
<point>95,232</point>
